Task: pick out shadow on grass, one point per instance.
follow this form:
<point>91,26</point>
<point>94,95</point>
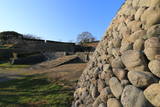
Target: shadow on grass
<point>34,91</point>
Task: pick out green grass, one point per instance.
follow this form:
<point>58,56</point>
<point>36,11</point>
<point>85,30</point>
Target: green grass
<point>34,91</point>
<point>5,47</point>
<point>12,67</point>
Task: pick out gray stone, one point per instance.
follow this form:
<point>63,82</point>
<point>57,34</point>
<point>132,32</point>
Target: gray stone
<point>101,84</point>
<point>135,3</point>
<point>133,60</point>
<point>109,50</point>
<point>94,93</point>
<point>112,102</point>
<point>117,42</point>
<point>78,103</point>
<point>117,63</point>
<point>151,53</point>
<point>84,94</point>
<point>137,35</point>
<point>154,67</point>
<point>138,45</point>
<point>152,93</point>
<point>139,13</point>
<point>154,3</point>
<point>124,83</point>
<point>134,25</point>
<point>97,102</point>
<point>116,87</point>
<point>116,52</point>
<point>141,78</point>
<point>106,67</point>
<point>120,73</point>
<point>153,31</point>
<point>106,74</point>
<point>133,97</point>
<point>157,57</point>
<point>151,16</point>
<point>125,45</point>
<point>80,92</point>
<point>102,105</point>
<point>144,3</point>
<point>105,94</point>
<point>152,47</point>
<point>152,42</point>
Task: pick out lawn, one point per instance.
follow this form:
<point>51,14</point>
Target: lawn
<point>5,46</point>
<point>9,66</point>
<point>34,91</point>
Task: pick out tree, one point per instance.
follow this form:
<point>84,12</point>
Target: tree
<point>30,36</point>
<point>85,37</point>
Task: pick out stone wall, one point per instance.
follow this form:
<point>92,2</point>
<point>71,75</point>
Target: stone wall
<point>125,68</point>
<point>60,46</point>
<point>50,46</point>
<point>84,56</point>
<point>27,49</point>
<point>30,45</point>
<point>30,60</point>
<point>5,54</point>
<point>9,37</point>
<point>91,44</point>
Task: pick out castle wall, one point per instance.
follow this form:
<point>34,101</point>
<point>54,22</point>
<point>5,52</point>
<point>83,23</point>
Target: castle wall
<point>5,54</point>
<point>124,70</point>
<point>25,48</point>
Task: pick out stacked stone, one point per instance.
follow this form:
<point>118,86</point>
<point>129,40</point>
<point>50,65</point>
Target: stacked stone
<point>125,68</point>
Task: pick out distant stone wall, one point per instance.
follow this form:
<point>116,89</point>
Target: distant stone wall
<point>81,48</point>
<point>91,44</point>
<point>5,54</point>
<point>51,46</point>
<point>25,47</point>
<point>54,55</point>
<point>10,37</point>
<point>60,46</point>
<point>31,45</point>
<point>33,59</point>
<point>84,56</point>
<point>22,44</point>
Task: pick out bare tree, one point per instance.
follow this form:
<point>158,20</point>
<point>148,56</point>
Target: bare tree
<point>71,41</point>
<point>30,36</point>
<point>85,37</point>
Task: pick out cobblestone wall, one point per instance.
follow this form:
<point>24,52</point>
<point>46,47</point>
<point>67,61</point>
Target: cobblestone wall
<point>125,68</point>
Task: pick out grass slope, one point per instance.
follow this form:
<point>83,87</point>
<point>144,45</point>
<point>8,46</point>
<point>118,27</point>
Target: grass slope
<point>34,91</point>
<point>9,66</point>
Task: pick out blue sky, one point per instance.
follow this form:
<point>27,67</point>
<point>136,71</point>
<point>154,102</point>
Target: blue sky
<point>60,20</point>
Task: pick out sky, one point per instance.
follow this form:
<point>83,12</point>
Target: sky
<point>58,20</point>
